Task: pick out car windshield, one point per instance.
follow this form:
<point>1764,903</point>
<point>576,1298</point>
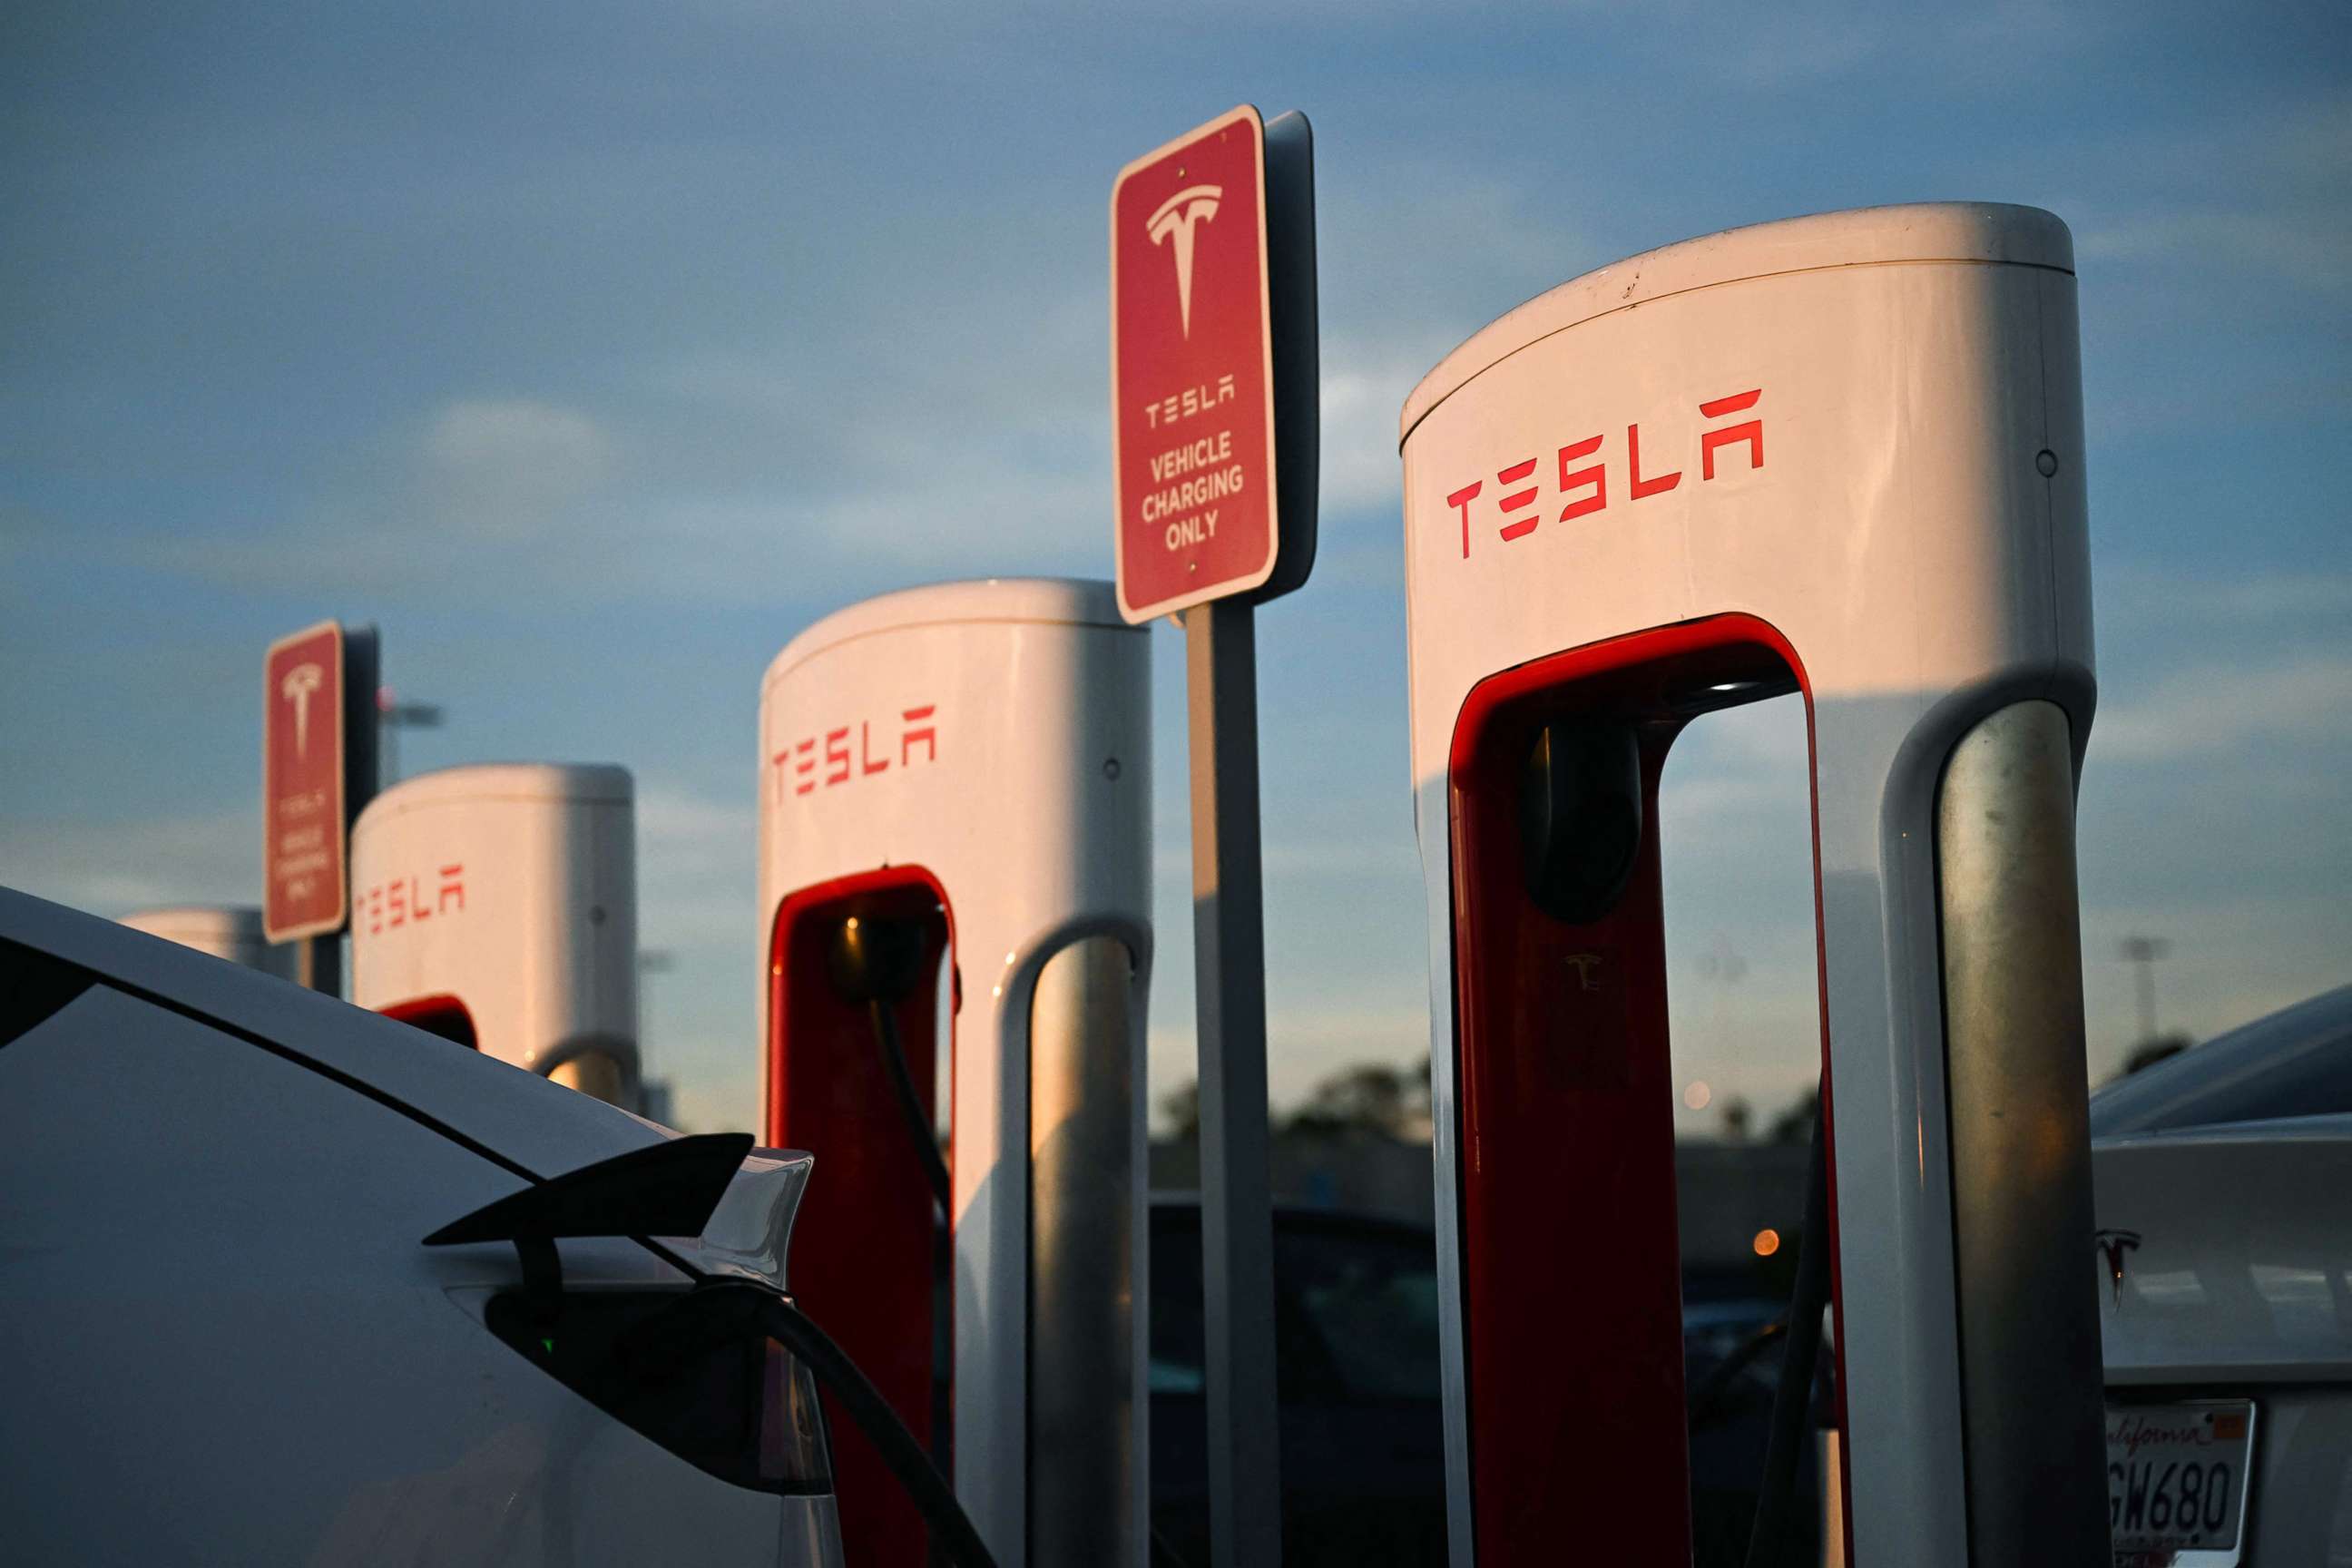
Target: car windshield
<point>2297,1062</point>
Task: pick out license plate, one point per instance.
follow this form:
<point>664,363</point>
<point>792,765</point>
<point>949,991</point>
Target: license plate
<point>2177,1481</point>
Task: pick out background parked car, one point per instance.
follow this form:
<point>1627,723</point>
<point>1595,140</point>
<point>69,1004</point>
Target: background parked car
<point>2224,1260</point>
<point>1363,1442</point>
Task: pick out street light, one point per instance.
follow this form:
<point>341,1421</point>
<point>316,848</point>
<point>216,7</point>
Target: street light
<point>393,716</point>
<point>2143,951</point>
<point>654,1094</point>
<point>651,960</point>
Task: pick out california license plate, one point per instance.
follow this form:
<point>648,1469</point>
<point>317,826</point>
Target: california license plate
<point>2177,1481</point>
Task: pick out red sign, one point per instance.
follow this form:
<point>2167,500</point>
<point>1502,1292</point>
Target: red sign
<point>302,822</point>
<point>1191,350</point>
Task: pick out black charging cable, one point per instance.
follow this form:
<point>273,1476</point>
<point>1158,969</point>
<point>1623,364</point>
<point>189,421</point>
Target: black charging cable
<point>911,1103</point>
<point>935,1170</point>
<point>878,961</point>
<point>1706,1396</point>
<point>951,1529</point>
<point>1793,1399</point>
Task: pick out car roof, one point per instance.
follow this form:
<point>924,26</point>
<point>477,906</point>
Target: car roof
<point>536,1126</point>
<point>2293,1062</point>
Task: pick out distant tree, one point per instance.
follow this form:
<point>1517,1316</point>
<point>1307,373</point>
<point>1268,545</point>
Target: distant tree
<point>1737,1115</point>
<point>2148,1052</point>
<point>1795,1125</point>
<point>1371,1096</point>
<point>1180,1107</point>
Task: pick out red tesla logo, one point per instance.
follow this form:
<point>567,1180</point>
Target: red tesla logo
<point>396,901</point>
<point>828,759</point>
<point>1584,485</point>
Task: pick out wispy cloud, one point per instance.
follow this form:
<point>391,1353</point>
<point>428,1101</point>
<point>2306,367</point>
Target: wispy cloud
<point>2301,249</point>
<point>509,468</point>
<point>112,868</point>
<point>497,495</point>
<point>2226,707</point>
<point>698,886</point>
<point>2260,606</point>
<point>1303,1047</point>
<point>474,491</point>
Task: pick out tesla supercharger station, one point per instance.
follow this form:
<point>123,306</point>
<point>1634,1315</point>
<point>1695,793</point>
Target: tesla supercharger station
<point>1843,456</point>
<point>225,931</point>
<point>970,763</point>
<point>496,905</point>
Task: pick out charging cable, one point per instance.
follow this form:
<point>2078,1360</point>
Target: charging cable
<point>1793,1399</point>
<point>878,961</point>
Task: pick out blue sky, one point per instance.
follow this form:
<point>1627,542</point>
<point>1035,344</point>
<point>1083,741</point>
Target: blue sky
<point>594,360</point>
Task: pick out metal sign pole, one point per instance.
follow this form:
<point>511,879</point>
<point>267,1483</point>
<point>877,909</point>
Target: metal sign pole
<point>1214,406</point>
<point>318,963</point>
<point>1229,967</point>
<point>362,751</point>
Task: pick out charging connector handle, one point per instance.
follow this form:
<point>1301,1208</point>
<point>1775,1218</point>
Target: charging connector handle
<point>879,959</point>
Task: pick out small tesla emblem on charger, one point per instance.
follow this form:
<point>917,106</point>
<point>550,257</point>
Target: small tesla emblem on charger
<point>1585,964</point>
<point>2114,1245</point>
<point>1177,215</point>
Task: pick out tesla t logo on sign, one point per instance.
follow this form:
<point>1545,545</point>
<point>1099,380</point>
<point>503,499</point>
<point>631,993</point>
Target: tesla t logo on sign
<point>1191,347</point>
<point>299,683</point>
<point>302,785</point>
<point>1177,216</point>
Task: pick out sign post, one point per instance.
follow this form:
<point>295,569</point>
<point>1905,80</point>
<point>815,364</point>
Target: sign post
<point>317,768</point>
<point>1213,439</point>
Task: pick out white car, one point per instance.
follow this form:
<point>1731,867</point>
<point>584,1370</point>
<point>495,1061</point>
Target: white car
<point>2224,1201</point>
<point>284,1281</point>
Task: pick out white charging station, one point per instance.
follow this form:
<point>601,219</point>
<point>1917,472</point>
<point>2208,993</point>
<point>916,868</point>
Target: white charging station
<point>496,905</point>
<point>1841,455</point>
<point>972,761</point>
<point>225,931</point>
